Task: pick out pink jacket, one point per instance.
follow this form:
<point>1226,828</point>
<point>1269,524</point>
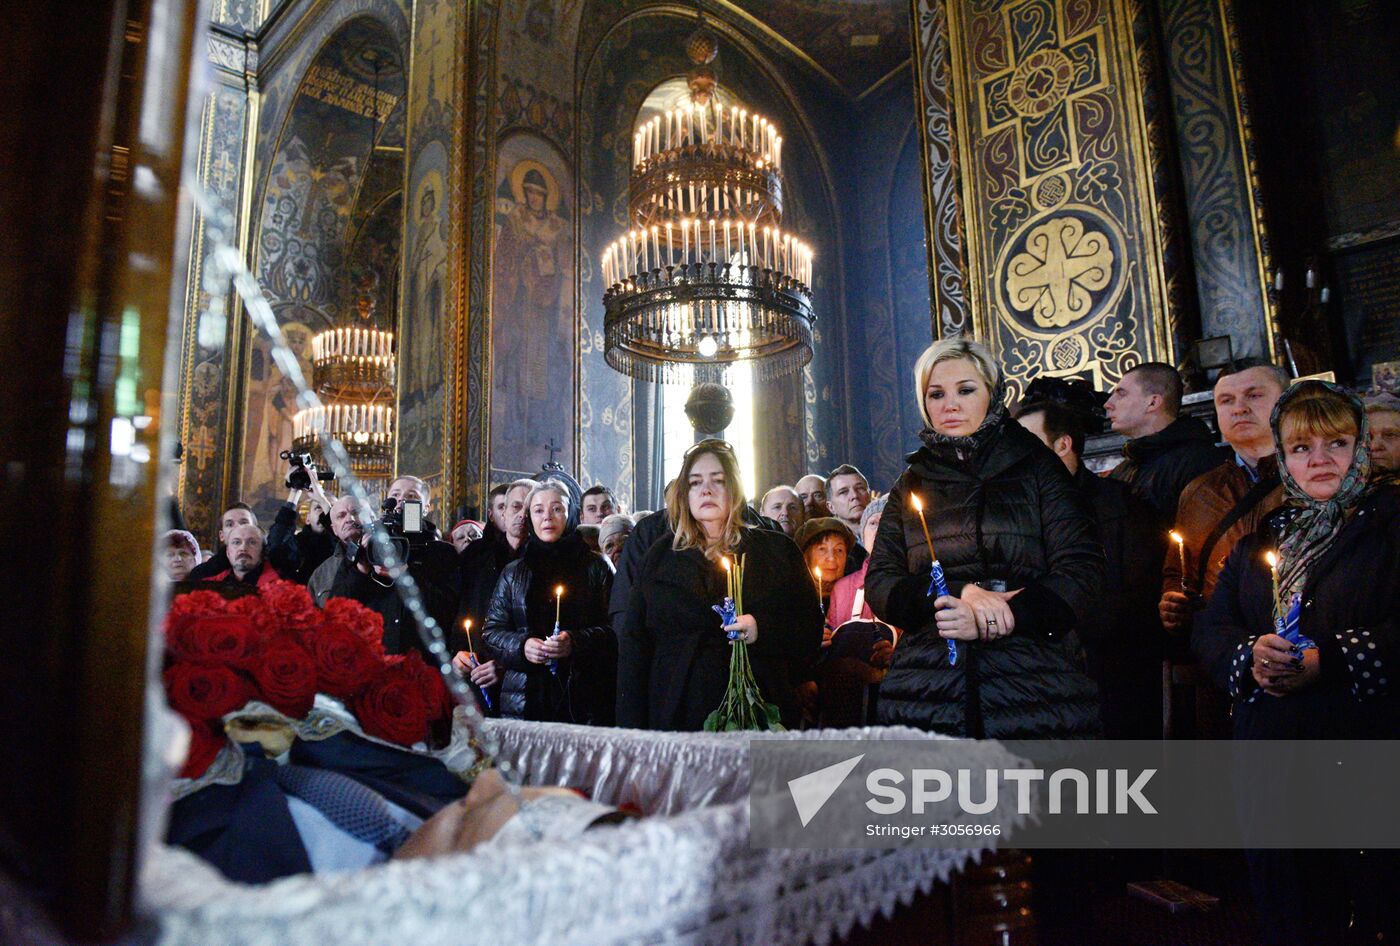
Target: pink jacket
<point>843,598</point>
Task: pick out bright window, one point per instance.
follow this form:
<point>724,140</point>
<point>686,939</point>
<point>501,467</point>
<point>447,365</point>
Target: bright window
<point>678,434</point>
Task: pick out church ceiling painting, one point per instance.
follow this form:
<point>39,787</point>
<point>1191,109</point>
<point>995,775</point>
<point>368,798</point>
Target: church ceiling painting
<point>313,178</point>
<point>856,43</point>
<point>1065,242</point>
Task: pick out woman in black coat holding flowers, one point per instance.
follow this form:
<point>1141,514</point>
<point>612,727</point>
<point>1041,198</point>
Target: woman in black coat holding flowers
<point>1021,560</point>
<point>571,677</point>
<point>673,656</point>
<point>1337,544</point>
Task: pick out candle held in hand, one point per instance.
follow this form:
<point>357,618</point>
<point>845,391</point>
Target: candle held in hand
<point>467,626</point>
<point>1272,559</point>
<point>919,508</point>
<point>1181,554</point>
<point>558,596</point>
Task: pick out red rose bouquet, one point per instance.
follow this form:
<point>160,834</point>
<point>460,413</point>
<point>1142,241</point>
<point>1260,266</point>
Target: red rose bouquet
<point>279,649</point>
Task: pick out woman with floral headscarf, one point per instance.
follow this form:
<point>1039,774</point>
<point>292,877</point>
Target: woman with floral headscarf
<point>1332,674</point>
<point>1021,559</point>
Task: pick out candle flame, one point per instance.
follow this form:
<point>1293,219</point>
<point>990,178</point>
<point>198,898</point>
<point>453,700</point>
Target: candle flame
<point>1272,559</point>
<point>818,572</point>
<point>918,503</point>
<point>1176,537</point>
<point>558,591</point>
<point>467,625</point>
<point>724,560</point>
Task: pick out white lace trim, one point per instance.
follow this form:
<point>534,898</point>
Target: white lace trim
<point>684,875</point>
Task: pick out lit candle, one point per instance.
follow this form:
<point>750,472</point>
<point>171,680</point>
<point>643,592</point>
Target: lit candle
<point>919,508</point>
<point>1181,555</point>
<point>1272,559</point>
<point>558,597</point>
<point>467,625</point>
<point>817,577</point>
<point>728,577</point>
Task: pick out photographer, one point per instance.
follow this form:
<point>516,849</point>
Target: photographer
<point>433,565</point>
<point>346,529</point>
<point>316,541</point>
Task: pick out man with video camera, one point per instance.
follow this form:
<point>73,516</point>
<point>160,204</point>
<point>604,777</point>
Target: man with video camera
<point>362,576</point>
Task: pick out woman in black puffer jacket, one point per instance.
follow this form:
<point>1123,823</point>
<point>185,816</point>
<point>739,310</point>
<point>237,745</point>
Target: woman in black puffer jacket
<point>1022,564</point>
<point>520,622</point>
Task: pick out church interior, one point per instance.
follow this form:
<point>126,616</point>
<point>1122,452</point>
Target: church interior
<point>479,243</point>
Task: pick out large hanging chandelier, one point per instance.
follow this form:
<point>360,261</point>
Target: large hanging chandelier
<point>706,276</point>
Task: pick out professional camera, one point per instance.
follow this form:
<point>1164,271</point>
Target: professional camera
<point>404,523</point>
<point>299,477</point>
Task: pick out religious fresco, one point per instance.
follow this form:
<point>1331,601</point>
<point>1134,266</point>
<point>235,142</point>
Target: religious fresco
<point>426,284</point>
<point>431,276</point>
<point>307,199</point>
<point>1066,259</point>
<point>532,306</point>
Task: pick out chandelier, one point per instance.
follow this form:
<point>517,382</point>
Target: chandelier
<point>706,276</point>
<point>353,371</point>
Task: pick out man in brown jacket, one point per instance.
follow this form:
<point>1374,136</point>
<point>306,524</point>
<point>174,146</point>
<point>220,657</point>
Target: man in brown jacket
<point>1223,505</point>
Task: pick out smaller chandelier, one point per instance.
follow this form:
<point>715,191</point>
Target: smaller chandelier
<point>365,430</point>
<point>706,276</point>
<point>353,368</point>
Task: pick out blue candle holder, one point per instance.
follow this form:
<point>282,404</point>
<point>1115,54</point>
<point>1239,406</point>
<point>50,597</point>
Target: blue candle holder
<point>486,697</point>
<point>938,588</point>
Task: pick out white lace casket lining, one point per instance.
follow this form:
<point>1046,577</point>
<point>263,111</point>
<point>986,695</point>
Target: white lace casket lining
<point>683,875</point>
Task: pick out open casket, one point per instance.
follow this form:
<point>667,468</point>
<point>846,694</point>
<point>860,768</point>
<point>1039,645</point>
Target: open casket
<point>685,873</point>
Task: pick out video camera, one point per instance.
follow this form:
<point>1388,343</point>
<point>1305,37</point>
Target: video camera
<point>299,477</point>
<point>404,523</point>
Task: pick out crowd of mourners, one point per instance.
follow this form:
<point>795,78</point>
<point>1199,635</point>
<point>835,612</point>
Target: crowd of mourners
<point>1067,591</point>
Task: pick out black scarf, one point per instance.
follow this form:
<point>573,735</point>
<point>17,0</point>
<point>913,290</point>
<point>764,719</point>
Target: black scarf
<point>965,450</point>
<point>565,562</point>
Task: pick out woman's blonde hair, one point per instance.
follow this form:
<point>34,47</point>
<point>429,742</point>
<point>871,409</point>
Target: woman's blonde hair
<point>952,349</point>
<point>689,533</point>
<point>1318,413</point>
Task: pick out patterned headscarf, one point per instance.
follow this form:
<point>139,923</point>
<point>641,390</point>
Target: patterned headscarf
<point>1313,524</point>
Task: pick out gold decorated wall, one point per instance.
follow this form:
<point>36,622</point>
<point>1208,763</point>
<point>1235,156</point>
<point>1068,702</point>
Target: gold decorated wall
<point>1065,237</point>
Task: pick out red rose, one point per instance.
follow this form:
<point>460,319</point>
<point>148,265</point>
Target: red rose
<point>206,739</point>
<point>358,619</point>
<point>187,607</point>
<point>204,693</point>
<point>435,695</point>
<point>256,611</point>
<point>224,639</point>
<point>392,706</point>
<point>344,663</point>
<point>291,604</point>
<point>286,675</point>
